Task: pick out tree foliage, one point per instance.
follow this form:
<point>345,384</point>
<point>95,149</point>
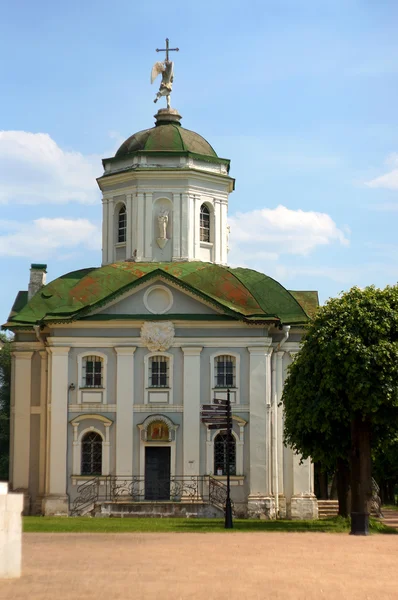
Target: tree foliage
<point>5,389</point>
<point>346,370</point>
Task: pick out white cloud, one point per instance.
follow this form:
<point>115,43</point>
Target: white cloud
<point>268,233</point>
<point>35,170</point>
<point>45,238</point>
<point>390,179</point>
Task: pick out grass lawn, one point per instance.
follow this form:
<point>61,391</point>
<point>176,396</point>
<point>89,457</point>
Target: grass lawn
<point>181,525</point>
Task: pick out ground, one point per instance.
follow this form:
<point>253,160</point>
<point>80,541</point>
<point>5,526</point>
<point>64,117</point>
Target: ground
<point>185,566</point>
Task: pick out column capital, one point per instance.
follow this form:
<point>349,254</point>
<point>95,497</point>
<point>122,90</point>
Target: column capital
<point>191,351</point>
<point>261,350</point>
<point>23,355</point>
<point>280,354</point>
<point>58,350</point>
<point>125,350</point>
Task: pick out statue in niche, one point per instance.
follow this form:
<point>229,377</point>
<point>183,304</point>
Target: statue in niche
<point>163,219</point>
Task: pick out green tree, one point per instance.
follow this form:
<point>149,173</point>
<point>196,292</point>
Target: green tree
<point>5,385</point>
<point>385,468</point>
<point>341,392</point>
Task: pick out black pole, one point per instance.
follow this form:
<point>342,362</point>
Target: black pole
<point>228,507</point>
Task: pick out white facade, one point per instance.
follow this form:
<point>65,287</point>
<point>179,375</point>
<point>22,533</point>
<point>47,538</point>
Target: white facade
<point>109,395</point>
<point>146,186</point>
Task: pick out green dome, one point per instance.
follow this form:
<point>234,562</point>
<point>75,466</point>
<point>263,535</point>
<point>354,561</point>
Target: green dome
<point>167,137</point>
<point>240,294</point>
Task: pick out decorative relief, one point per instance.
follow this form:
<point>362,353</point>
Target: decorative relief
<point>163,218</point>
<point>158,337</point>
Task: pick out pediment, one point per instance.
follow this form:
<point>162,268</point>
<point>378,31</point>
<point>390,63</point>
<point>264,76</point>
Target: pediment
<point>157,297</point>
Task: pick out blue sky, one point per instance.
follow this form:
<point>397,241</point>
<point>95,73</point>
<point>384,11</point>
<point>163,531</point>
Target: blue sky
<point>301,95</point>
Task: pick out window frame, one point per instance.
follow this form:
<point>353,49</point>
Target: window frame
<point>203,228</point>
<point>85,374</point>
<point>159,374</point>
<point>121,211</point>
<point>94,391</point>
<point>151,391</point>
<point>218,391</point>
<point>82,442</point>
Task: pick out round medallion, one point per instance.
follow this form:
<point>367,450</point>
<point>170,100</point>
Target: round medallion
<point>158,299</point>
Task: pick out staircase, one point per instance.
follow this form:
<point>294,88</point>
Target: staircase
<point>328,508</point>
<point>179,496</point>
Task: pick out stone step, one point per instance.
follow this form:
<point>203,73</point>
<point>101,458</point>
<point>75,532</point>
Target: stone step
<point>156,509</point>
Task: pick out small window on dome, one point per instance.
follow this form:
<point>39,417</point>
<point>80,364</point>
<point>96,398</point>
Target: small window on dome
<point>204,223</point>
<point>122,225</point>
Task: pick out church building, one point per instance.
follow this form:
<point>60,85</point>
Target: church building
<point>112,363</point>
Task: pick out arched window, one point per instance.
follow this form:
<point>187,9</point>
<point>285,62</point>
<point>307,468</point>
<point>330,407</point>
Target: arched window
<point>122,225</point>
<point>92,372</point>
<point>158,372</point>
<point>91,454</point>
<point>220,454</point>
<point>204,223</point>
<point>225,371</point>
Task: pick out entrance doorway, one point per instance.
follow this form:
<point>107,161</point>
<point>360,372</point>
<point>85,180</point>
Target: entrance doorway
<point>157,473</point>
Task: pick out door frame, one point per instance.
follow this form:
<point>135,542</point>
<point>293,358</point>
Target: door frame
<point>172,444</point>
<point>155,445</point>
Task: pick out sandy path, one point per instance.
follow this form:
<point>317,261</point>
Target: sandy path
<point>187,566</point>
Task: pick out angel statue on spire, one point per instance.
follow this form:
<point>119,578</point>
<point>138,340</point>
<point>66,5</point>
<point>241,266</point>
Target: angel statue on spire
<point>164,68</point>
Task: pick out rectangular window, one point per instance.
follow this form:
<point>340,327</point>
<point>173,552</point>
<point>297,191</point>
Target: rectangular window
<point>225,372</point>
<point>92,371</point>
<point>122,225</point>
<point>158,372</point>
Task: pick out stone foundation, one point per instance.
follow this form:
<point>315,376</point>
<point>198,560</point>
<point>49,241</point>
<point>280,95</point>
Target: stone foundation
<point>302,507</point>
<point>55,506</point>
<point>157,509</point>
<point>282,507</point>
<point>11,506</point>
<point>261,507</point>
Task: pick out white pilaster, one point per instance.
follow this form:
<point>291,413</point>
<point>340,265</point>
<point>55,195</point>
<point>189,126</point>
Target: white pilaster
<point>21,440</point>
<point>110,229</point>
<point>106,446</point>
<point>140,226</point>
<point>56,502</point>
<point>279,420</point>
<point>223,233</point>
<point>176,227</point>
<point>185,234</point>
<point>148,226</point>
<point>129,233</point>
<point>191,418</point>
<point>217,241</point>
<point>260,403</point>
<point>124,403</point>
<point>196,216</point>
<point>105,231</point>
<point>43,421</point>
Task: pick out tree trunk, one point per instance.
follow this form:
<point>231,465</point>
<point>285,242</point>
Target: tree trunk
<point>321,482</point>
<point>361,475</point>
<point>343,487</point>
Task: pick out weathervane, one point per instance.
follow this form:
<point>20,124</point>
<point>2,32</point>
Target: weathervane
<point>166,69</point>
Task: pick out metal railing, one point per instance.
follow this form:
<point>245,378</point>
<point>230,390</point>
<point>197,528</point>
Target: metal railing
<point>116,488</point>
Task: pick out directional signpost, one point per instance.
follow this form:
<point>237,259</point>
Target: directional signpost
<point>218,416</point>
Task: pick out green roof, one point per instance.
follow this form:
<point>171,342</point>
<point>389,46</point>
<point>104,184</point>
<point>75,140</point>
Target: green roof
<point>170,137</point>
<point>241,294</point>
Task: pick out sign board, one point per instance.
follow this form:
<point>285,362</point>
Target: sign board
<point>218,426</point>
<point>220,401</point>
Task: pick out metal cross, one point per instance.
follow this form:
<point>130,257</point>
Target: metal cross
<point>167,49</point>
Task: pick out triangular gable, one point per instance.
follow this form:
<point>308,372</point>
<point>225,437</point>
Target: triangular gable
<point>156,297</point>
